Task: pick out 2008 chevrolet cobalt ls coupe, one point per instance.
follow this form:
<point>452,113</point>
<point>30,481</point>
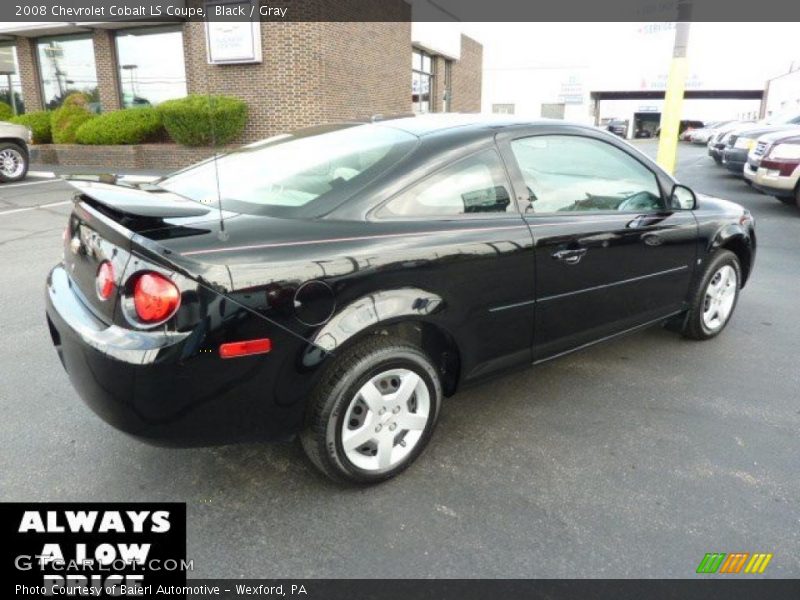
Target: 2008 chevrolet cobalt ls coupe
<point>336,283</point>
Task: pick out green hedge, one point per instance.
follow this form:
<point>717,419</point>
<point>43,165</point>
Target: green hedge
<point>203,120</point>
<point>39,123</point>
<point>129,126</point>
<point>65,122</point>
<point>5,111</point>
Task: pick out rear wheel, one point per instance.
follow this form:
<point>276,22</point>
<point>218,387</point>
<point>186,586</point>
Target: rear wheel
<point>13,162</point>
<point>373,411</point>
<point>714,297</point>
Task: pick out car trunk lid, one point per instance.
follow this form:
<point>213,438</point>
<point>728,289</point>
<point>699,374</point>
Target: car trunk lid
<point>103,227</point>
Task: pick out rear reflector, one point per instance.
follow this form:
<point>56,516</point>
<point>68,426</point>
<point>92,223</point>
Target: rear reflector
<point>106,280</point>
<point>236,349</point>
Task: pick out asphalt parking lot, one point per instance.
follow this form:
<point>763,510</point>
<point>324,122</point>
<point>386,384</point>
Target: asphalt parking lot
<point>631,459</point>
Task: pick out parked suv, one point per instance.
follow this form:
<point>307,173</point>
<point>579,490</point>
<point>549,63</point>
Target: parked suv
<point>718,141</point>
<point>742,140</point>
<point>775,165</point>
<point>14,153</point>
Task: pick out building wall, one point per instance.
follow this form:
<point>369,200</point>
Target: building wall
<point>467,75</point>
<point>29,74</point>
<point>282,92</point>
<point>365,69</point>
<point>105,58</point>
<point>313,72</point>
<point>783,95</point>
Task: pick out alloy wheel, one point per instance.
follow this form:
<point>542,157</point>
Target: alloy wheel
<point>385,420</point>
<point>719,298</point>
<point>12,163</point>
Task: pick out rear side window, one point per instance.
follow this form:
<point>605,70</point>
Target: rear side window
<point>308,171</point>
<point>474,185</point>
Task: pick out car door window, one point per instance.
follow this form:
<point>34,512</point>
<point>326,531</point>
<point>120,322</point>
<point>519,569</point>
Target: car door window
<point>572,173</point>
<point>474,185</point>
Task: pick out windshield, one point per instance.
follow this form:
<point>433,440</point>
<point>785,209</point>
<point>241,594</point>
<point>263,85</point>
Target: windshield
<point>783,119</point>
<point>284,175</point>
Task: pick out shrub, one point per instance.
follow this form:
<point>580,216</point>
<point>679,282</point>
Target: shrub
<point>77,99</point>
<point>39,123</point>
<point>129,126</point>
<point>202,120</point>
<point>6,113</point>
<point>66,120</point>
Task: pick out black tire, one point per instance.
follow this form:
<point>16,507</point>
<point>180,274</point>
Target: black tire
<point>787,200</point>
<point>23,155</point>
<point>336,393</point>
<point>694,326</point>
<point>717,159</point>
<point>797,196</point>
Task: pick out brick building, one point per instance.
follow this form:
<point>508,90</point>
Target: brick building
<point>296,73</point>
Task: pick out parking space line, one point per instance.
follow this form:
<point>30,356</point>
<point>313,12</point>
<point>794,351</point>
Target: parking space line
<point>29,208</point>
<point>5,186</point>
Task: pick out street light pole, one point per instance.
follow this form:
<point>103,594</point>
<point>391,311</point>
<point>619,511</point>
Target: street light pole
<point>673,98</point>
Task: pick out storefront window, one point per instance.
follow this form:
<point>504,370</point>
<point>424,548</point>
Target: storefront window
<point>67,65</point>
<point>421,81</point>
<point>10,87</point>
<point>151,66</point>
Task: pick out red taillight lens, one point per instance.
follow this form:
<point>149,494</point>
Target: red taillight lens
<point>106,280</point>
<point>155,298</point>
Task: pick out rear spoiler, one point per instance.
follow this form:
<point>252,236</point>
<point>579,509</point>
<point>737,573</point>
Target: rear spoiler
<point>132,201</point>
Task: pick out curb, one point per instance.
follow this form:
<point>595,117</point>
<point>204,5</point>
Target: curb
<point>129,178</point>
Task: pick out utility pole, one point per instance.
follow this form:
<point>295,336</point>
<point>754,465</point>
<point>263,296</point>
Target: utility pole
<point>676,84</point>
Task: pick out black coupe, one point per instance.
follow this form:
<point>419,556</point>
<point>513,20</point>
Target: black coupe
<point>338,282</point>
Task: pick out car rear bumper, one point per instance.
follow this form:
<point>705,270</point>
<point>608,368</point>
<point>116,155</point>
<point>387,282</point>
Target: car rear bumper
<point>163,388</point>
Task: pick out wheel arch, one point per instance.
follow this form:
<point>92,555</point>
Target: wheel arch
<point>406,313</point>
<point>735,239</point>
<point>17,142</point>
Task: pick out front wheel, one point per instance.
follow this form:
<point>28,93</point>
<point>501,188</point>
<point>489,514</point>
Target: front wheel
<point>13,162</point>
<point>373,412</point>
<point>715,297</point>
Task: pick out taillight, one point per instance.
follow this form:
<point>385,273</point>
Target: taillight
<point>155,298</point>
<point>106,280</point>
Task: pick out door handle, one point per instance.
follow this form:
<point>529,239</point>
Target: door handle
<point>571,257</point>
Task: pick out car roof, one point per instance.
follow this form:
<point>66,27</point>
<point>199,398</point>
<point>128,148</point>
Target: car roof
<point>423,125</point>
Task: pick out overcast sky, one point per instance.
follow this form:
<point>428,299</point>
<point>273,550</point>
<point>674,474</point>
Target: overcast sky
<point>722,55</point>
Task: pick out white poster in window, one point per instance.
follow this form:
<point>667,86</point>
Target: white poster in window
<point>7,63</point>
<point>231,42</point>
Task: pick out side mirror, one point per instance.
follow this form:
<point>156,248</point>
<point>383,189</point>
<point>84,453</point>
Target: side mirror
<point>683,198</point>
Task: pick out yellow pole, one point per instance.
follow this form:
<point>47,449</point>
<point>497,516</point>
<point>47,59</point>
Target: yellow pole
<point>673,100</point>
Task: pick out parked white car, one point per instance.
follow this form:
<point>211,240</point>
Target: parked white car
<point>14,152</point>
<point>704,135</point>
